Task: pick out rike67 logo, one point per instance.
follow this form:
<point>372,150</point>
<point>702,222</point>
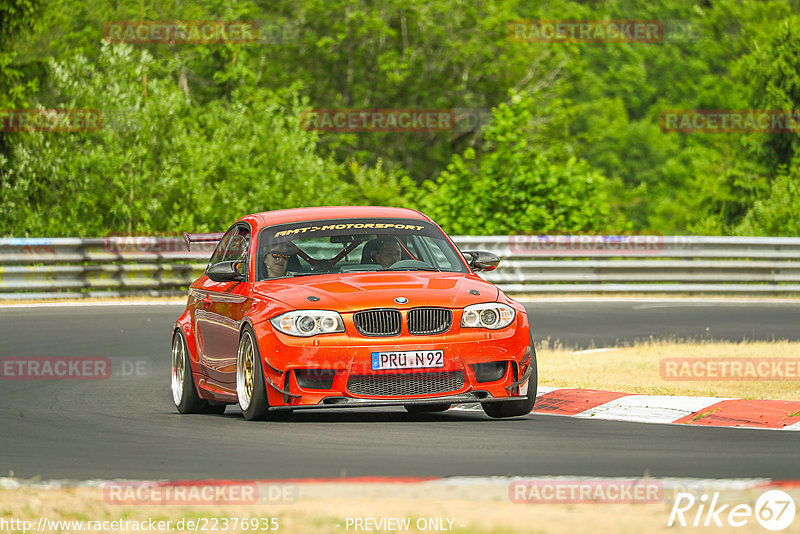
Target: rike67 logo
<point>774,510</point>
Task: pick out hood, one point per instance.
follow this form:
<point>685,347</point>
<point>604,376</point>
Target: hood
<point>357,291</point>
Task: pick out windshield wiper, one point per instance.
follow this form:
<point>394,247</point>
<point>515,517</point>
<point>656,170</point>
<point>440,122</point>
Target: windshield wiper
<point>412,269</point>
<point>312,273</point>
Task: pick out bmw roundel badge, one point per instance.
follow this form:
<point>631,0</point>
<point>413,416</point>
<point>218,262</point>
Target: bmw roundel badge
<point>401,300</point>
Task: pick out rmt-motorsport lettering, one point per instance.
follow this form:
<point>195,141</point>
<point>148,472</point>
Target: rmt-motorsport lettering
<point>348,227</point>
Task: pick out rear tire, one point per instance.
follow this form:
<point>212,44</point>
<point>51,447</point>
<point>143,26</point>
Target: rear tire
<point>516,408</point>
<point>184,394</point>
<point>427,408</point>
<point>250,386</point>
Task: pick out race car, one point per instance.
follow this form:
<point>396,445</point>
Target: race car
<point>339,307</point>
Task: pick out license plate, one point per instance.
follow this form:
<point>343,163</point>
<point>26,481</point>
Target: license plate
<point>412,359</point>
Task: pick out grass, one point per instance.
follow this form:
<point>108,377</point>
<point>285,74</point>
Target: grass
<point>704,414</point>
<point>636,368</point>
<point>474,509</point>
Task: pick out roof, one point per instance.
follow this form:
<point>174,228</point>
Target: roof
<point>268,218</point>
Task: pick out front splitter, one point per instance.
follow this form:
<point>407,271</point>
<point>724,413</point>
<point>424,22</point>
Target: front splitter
<point>349,402</point>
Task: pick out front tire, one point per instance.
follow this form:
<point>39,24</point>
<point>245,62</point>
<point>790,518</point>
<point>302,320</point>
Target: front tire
<point>250,386</point>
<point>517,408</point>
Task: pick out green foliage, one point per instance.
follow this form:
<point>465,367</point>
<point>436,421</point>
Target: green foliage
<point>511,187</point>
<point>375,186</point>
<point>17,83</point>
<point>773,80</point>
<point>17,18</point>
<point>211,132</point>
<point>160,164</point>
<point>436,54</point>
<point>778,213</point>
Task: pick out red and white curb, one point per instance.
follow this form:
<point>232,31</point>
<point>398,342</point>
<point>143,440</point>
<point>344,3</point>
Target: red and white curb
<point>695,411</point>
<point>669,409</point>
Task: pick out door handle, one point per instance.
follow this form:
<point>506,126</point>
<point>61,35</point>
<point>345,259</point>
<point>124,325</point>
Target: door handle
<point>206,301</point>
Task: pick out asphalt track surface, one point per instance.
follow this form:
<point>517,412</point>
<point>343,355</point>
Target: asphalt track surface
<point>127,426</point>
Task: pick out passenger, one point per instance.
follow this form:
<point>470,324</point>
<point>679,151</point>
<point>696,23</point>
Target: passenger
<point>388,252</point>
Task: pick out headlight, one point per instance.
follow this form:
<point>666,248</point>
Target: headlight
<point>492,315</point>
<point>306,323</point>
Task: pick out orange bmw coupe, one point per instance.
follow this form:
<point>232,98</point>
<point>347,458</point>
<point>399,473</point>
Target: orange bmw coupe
<point>338,307</point>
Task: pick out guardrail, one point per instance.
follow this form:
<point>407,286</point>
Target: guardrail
<point>112,266</point>
<point>71,267</point>
<point>643,264</point>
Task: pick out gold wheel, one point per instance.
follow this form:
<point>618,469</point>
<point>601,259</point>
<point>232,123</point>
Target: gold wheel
<point>245,370</point>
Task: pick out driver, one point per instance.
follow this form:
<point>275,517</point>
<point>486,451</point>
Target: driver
<point>277,259</point>
<point>388,252</point>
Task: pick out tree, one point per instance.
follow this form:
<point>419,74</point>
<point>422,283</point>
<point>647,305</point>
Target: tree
<point>512,186</point>
<point>160,163</point>
<point>17,18</point>
<point>772,76</point>
<point>778,212</point>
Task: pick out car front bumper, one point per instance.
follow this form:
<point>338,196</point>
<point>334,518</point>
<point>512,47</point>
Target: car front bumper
<point>352,402</point>
<point>349,357</point>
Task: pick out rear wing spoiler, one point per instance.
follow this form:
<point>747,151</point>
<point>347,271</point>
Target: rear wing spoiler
<point>201,238</point>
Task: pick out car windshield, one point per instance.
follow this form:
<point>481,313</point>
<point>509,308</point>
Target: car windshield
<point>354,245</point>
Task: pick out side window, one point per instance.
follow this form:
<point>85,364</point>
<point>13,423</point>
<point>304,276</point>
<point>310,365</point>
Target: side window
<point>238,246</point>
<point>430,251</point>
<point>233,246</point>
<point>219,252</point>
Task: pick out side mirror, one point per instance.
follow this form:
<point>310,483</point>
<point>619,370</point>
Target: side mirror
<point>225,271</point>
<point>480,260</point>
